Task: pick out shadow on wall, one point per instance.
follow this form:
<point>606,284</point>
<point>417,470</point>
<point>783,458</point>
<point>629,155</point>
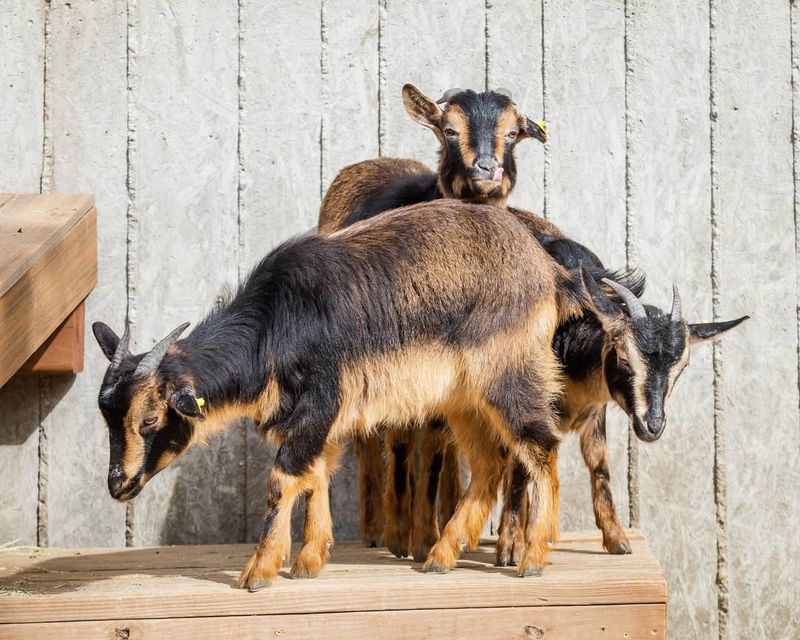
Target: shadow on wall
<point>23,411</point>
<point>217,494</point>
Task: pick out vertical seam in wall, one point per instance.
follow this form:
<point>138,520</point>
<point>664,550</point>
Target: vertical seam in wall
<point>545,116</point>
<point>630,259</point>
<point>323,70</point>
<point>795,63</point>
<point>486,7</point>
<point>382,111</point>
<point>45,185</point>
<point>720,480</point>
<point>240,187</point>
<point>132,227</point>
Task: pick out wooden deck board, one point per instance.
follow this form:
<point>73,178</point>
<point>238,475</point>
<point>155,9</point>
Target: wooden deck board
<point>52,585</point>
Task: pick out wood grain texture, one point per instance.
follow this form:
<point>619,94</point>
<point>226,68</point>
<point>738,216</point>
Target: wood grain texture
<point>585,111</point>
<point>670,197</point>
<point>186,244</point>
<point>756,268</point>
<point>553,623</point>
<point>51,266</point>
<point>199,581</point>
<point>62,352</point>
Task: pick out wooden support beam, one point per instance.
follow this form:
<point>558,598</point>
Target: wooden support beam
<point>62,352</point>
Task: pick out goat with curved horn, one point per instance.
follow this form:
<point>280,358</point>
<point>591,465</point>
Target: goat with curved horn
<point>153,358</point>
<point>122,351</point>
<point>676,314</point>
<point>448,95</point>
<point>635,307</point>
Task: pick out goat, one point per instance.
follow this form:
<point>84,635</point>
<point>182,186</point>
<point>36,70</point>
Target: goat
<point>478,133</point>
<point>441,308</point>
<point>629,355</point>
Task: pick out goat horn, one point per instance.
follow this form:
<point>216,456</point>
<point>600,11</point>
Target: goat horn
<point>504,92</point>
<point>635,307</point>
<point>153,357</point>
<point>449,95</point>
<point>676,315</point>
<point>121,351</point>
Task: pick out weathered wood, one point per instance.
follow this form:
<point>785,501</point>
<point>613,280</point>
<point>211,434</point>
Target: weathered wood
<point>88,103</point>
<point>186,244</point>
<point>49,265</point>
<point>585,168</point>
<point>553,623</point>
<point>670,197</point>
<point>187,582</point>
<point>62,352</point>
<point>754,225</point>
<point>21,120</point>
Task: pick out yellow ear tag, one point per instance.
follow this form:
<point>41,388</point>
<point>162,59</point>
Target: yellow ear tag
<point>201,402</point>
<point>540,124</point>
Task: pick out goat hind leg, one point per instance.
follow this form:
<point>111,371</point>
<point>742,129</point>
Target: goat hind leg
<point>369,454</point>
<point>514,517</point>
<point>399,445</point>
<point>425,522</point>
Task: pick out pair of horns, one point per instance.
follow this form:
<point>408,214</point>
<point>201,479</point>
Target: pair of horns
<point>635,307</point>
<point>153,357</point>
<point>451,93</point>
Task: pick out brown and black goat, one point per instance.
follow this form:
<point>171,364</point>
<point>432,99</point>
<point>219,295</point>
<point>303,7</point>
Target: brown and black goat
<point>624,352</point>
<point>477,133</point>
<point>443,309</point>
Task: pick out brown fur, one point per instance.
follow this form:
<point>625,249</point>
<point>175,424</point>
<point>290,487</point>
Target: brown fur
<point>368,452</point>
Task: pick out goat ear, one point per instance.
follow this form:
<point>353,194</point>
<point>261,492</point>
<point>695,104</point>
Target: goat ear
<point>531,129</point>
<point>704,331</point>
<point>595,300</point>
<point>186,402</point>
<point>422,109</point>
<point>106,338</point>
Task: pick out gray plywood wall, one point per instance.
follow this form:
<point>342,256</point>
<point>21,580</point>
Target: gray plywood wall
<point>209,130</point>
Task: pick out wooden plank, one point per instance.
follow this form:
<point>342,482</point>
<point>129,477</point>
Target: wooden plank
<point>60,261</point>
<point>281,159</point>
<point>670,196</point>
<point>185,247</point>
<point>755,225</point>
<point>199,581</point>
<point>62,352</point>
<point>553,623</point>
<point>585,168</point>
<point>22,123</point>
<point>514,61</point>
<point>89,102</point>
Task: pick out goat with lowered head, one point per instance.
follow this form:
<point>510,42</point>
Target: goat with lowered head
<point>444,308</point>
<point>623,352</point>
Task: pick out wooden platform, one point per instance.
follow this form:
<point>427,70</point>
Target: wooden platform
<point>188,592</point>
<point>48,265</point>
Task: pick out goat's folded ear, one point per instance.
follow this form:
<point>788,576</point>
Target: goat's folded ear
<point>422,109</point>
<point>709,330</point>
<point>531,129</point>
<point>106,338</point>
<point>186,402</point>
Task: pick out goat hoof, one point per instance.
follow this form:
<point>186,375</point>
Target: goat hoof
<point>623,549</point>
<point>434,567</point>
<point>531,572</point>
<point>398,552</point>
<point>505,562</point>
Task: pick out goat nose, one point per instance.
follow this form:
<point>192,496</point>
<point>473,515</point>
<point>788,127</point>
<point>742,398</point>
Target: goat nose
<point>486,163</point>
<point>116,484</point>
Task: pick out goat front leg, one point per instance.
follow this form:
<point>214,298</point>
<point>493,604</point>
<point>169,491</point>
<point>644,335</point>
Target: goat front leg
<point>543,508</point>
<point>514,518</point>
<point>399,444</point>
<point>318,530</point>
<point>595,453</point>
<point>369,454</point>
<point>486,463</point>
<point>425,525</point>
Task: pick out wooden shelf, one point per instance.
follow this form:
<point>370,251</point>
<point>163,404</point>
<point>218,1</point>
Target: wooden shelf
<point>48,265</point>
<point>188,591</point>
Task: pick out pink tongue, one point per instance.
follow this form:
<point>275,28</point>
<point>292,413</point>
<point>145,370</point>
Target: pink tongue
<point>498,175</point>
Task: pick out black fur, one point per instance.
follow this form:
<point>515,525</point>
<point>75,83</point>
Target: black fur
<point>410,189</point>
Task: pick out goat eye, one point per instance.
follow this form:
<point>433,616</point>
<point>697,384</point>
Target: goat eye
<point>512,135</point>
<point>148,425</point>
<point>450,132</point>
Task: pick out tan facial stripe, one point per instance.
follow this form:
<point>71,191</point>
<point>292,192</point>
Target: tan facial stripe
<point>506,123</point>
<point>455,118</point>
